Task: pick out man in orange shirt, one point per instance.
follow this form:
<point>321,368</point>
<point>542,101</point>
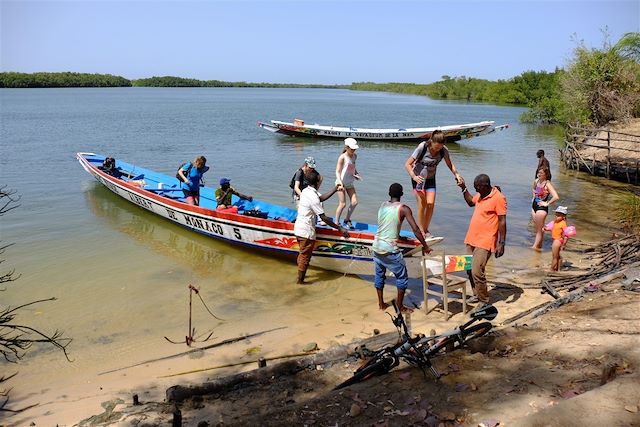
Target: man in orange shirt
<point>487,231</point>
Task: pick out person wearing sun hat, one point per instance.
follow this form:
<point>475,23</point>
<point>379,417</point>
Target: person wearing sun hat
<point>346,174</point>
<point>558,236</point>
<point>299,181</point>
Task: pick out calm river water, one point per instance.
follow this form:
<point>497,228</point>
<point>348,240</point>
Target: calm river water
<point>112,265</point>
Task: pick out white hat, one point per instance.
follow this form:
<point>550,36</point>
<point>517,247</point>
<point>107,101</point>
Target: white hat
<point>561,209</point>
<point>351,143</point>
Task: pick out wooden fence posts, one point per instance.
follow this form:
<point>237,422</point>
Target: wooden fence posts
<point>622,165</point>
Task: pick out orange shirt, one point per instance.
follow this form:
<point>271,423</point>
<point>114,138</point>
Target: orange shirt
<point>558,228</point>
<point>483,228</point>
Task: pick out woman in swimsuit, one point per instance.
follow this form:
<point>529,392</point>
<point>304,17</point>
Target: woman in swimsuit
<point>421,167</point>
<point>544,195</point>
<point>346,174</point>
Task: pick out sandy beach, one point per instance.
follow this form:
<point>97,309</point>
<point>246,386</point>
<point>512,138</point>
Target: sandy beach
<point>329,322</point>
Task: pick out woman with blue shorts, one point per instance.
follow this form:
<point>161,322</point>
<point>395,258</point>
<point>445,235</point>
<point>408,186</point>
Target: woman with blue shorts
<point>421,167</point>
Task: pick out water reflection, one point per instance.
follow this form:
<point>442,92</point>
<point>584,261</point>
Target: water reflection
<point>240,278</point>
<point>199,253</point>
<point>203,257</point>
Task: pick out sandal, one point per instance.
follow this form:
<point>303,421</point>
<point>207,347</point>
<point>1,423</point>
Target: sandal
<point>348,224</point>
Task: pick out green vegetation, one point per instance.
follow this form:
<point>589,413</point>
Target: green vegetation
<point>602,85</point>
<point>598,85</point>
<point>538,90</point>
<point>530,86</point>
<point>67,79</point>
<point>171,81</point>
<point>629,213</point>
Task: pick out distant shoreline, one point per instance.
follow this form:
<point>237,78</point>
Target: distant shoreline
<point>502,92</point>
<point>78,80</point>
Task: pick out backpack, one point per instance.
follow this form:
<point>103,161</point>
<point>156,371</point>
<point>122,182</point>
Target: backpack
<point>424,151</point>
<point>292,184</point>
<point>416,166</point>
<point>186,173</point>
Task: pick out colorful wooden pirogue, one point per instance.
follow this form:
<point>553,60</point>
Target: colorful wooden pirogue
<point>258,225</point>
<point>452,132</point>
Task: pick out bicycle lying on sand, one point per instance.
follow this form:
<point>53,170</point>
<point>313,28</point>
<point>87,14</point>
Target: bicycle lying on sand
<point>419,350</point>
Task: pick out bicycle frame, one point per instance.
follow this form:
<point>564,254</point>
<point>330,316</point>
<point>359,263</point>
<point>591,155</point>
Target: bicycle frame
<point>417,351</point>
<point>404,350</point>
<point>426,345</point>
<point>487,313</point>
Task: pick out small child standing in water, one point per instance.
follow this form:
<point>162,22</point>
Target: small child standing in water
<point>559,235</point>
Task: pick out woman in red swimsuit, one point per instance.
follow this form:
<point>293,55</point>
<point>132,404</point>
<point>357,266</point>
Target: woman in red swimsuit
<point>544,194</point>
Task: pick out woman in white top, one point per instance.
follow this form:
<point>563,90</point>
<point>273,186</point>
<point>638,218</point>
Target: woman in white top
<point>346,174</point>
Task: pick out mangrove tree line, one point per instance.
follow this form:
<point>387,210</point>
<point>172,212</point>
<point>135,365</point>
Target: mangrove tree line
<point>598,85</point>
<point>65,79</point>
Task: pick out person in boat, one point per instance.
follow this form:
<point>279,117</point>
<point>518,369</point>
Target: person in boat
<point>386,253</point>
<point>191,176</point>
<point>544,195</point>
<point>421,167</point>
<point>309,207</point>
<point>299,181</point>
<point>487,232</point>
<point>225,193</point>
<point>346,174</point>
<point>542,163</point>
<point>109,167</point>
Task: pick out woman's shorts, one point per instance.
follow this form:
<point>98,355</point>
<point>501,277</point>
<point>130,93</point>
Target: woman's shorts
<point>347,185</point>
<point>428,186</point>
<point>189,193</point>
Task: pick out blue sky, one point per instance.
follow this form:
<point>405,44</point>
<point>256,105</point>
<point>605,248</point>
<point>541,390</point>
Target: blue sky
<point>305,41</point>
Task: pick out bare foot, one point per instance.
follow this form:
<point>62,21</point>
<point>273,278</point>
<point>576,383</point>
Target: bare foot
<point>536,249</point>
<point>383,306</point>
<point>405,309</point>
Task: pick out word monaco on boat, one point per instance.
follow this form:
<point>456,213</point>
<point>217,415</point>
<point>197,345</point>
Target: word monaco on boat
<point>452,132</point>
<point>258,225</point>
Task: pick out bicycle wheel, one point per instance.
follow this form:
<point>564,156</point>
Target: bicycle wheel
<point>373,367</point>
<point>476,331</point>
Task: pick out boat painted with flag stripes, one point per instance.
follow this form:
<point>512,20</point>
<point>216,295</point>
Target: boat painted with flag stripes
<point>257,225</point>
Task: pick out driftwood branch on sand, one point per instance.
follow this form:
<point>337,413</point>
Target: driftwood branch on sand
<point>610,261</point>
<point>194,350</point>
<point>246,362</point>
<point>605,258</point>
<point>178,393</point>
